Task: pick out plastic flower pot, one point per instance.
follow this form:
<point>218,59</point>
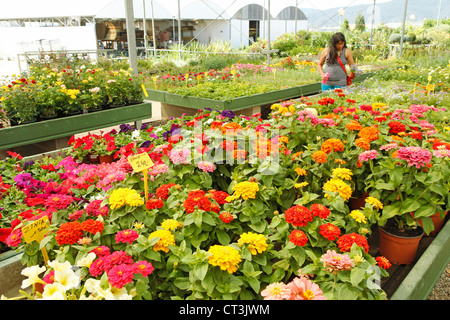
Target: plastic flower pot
<point>437,222</point>
<point>105,159</point>
<point>400,250</point>
<point>358,203</point>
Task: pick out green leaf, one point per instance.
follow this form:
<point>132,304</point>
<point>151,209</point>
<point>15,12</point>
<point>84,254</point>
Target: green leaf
<point>410,205</point>
<point>391,210</point>
<point>200,270</point>
<point>356,276</point>
<point>345,291</point>
<point>396,176</point>
<point>197,215</point>
<point>424,211</point>
<point>182,283</point>
<point>428,224</point>
<point>223,237</point>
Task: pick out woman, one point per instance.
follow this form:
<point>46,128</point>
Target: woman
<point>333,75</point>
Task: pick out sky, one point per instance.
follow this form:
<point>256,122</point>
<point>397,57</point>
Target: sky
<point>31,8</point>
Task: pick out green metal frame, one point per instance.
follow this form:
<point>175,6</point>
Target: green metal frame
<point>423,276</point>
<point>240,103</point>
<point>62,127</point>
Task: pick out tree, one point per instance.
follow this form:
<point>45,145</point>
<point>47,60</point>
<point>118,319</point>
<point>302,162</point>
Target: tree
<point>345,26</point>
<point>360,23</point>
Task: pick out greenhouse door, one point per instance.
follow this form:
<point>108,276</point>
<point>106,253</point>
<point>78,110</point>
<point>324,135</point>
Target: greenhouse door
<point>253,30</point>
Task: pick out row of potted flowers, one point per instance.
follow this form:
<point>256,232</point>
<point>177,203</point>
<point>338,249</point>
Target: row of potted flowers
<point>48,93</point>
<point>237,207</point>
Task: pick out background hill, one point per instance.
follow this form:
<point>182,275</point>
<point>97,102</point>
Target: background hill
<point>388,12</point>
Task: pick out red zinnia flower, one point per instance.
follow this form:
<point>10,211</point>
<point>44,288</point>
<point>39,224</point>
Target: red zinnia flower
<point>92,226</point>
<point>69,233</point>
<point>298,238</point>
<point>298,215</point>
<point>154,203</point>
<point>226,217</point>
<point>101,251</point>
<point>383,262</point>
<point>346,241</point>
<point>126,236</point>
<point>329,231</point>
<point>220,197</point>
<point>396,127</point>
<point>162,192</point>
<point>320,210</point>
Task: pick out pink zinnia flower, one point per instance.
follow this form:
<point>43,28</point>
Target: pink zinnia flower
<point>276,291</point>
<point>15,238</point>
<point>206,166</point>
<point>389,146</point>
<point>58,201</point>
<point>117,258</point>
<point>180,155</point>
<point>335,262</point>
<point>126,236</point>
<point>97,267</point>
<point>303,289</point>
<point>158,168</point>
<point>143,267</point>
<point>366,155</point>
<point>414,156</point>
<point>441,153</point>
<point>101,251</point>
<point>121,275</point>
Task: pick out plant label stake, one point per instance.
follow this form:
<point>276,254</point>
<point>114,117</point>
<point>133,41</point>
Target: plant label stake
<point>141,163</point>
<point>154,81</point>
<point>145,91</point>
<point>36,231</point>
<point>233,72</point>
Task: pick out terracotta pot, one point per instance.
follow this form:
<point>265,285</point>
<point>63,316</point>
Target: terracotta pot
<point>106,159</point>
<point>358,203</point>
<point>399,250</point>
<point>437,222</point>
<point>93,158</point>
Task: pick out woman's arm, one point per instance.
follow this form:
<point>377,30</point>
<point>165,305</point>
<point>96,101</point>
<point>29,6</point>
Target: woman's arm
<point>351,62</point>
<point>321,62</point>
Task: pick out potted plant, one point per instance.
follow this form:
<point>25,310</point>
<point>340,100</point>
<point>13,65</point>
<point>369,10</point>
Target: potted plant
<point>80,148</point>
<point>104,146</point>
<point>411,187</point>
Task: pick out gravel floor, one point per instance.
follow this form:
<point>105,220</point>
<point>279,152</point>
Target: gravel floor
<point>441,290</point>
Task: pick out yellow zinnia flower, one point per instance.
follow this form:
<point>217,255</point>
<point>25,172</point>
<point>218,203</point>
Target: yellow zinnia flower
<point>166,238</point>
<point>246,190</point>
<point>375,202</point>
<point>342,173</point>
<point>358,216</point>
<point>124,196</point>
<point>256,242</point>
<point>337,185</point>
<point>226,257</point>
<point>170,224</point>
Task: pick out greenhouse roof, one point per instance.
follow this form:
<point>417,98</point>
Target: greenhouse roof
<point>115,9</point>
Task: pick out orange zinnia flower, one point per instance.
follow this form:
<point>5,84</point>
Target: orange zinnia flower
<point>330,145</point>
<point>319,156</point>
<point>362,143</point>
<point>369,133</point>
<point>231,128</point>
<point>354,126</point>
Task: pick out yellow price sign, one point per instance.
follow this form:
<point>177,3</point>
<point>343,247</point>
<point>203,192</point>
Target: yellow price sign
<point>35,231</point>
<point>430,87</point>
<point>140,162</point>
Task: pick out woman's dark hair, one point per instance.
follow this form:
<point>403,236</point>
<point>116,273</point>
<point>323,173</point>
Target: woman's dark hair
<point>332,52</point>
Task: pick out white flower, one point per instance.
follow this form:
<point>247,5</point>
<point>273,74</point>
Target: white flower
<point>135,135</point>
<point>121,294</point>
<point>54,291</point>
<point>94,90</point>
<point>86,261</point>
<point>33,276</point>
<point>67,278</point>
<point>93,286</point>
<point>58,266</point>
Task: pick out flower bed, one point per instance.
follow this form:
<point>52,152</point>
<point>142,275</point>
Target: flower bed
<point>238,207</point>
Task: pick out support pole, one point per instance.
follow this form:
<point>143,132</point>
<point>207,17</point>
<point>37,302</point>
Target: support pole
<point>268,32</point>
<point>153,31</point>
<point>179,31</point>
<point>145,30</point>
<point>371,30</point>
<point>403,29</point>
<point>131,36</point>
